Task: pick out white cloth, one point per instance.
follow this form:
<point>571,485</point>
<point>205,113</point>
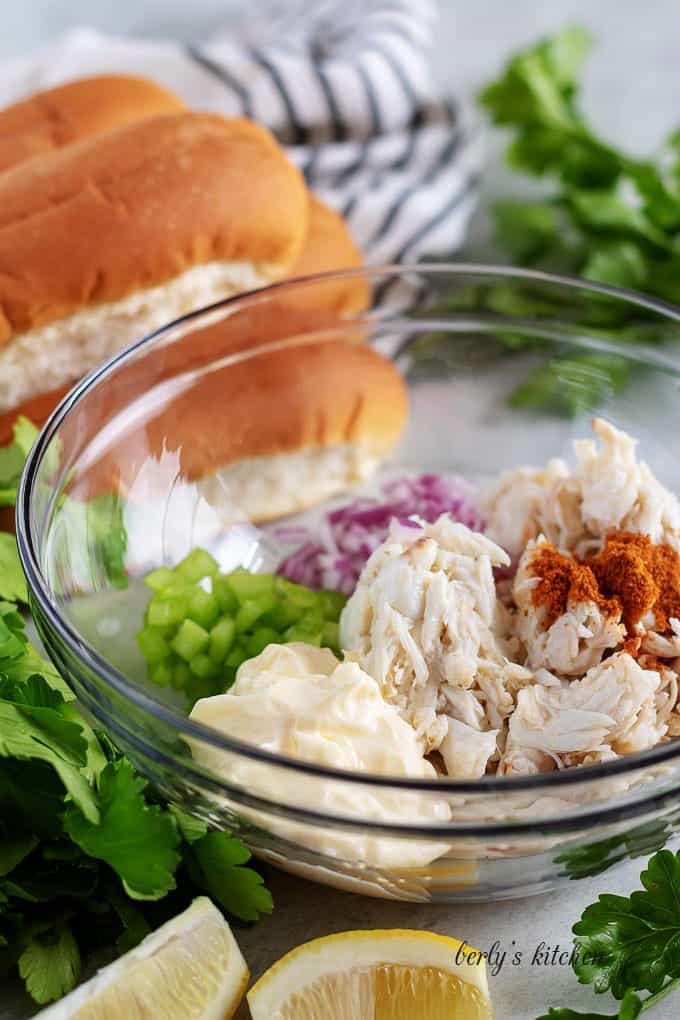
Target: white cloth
<point>345,86</point>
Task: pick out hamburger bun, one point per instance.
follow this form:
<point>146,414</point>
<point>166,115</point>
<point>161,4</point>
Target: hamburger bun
<point>269,434</point>
<point>329,246</point>
<point>60,116</point>
<point>111,237</point>
<point>315,307</point>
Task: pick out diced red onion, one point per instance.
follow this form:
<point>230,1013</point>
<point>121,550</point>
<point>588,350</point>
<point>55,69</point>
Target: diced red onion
<point>334,554</point>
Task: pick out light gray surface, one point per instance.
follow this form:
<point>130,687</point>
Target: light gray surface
<point>632,88</point>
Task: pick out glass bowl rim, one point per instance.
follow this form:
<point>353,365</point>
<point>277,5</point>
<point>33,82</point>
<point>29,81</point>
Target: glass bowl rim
<point>186,727</point>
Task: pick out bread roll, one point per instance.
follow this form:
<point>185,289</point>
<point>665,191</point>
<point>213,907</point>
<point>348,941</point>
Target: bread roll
<point>267,435</point>
<point>328,246</point>
<point>59,116</point>
<point>110,238</point>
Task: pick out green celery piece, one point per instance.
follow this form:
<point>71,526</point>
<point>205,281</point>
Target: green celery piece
<point>282,614</point>
<point>181,675</point>
<point>237,655</point>
<point>221,639</point>
<point>260,638</point>
<point>154,647</point>
<point>197,565</point>
<point>203,608</point>
<point>50,964</point>
<point>332,604</point>
<point>248,586</point>
<point>252,609</point>
<point>216,863</point>
<point>224,594</point>
<point>297,633</point>
<point>204,667</point>
<point>139,840</point>
<point>330,636</point>
<point>161,673</point>
<point>191,639</point>
<point>297,594</point>
<point>160,579</point>
<point>165,609</point>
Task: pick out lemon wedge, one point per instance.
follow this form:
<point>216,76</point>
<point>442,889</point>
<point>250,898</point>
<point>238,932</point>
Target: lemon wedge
<point>375,975</point>
<point>189,969</point>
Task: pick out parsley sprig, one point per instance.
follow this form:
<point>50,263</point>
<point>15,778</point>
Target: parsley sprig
<point>89,858</point>
<point>631,944</point>
<point>605,215</point>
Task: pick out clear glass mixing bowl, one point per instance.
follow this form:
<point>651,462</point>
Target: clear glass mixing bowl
<point>465,338</point>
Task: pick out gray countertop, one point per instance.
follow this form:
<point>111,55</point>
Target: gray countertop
<point>632,92</point>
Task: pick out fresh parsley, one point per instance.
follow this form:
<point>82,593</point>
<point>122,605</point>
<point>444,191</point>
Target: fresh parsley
<point>628,945</point>
<point>606,216</point>
<point>89,858</point>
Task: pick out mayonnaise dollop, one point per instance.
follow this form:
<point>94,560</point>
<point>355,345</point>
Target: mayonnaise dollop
<point>300,701</point>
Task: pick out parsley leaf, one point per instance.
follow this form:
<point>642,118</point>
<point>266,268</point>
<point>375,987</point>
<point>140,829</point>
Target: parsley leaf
<point>572,385</point>
<point>50,964</point>
<point>606,216</point>
<point>43,734</point>
<point>12,581</point>
<point>632,942</point>
<point>138,840</point>
<point>630,1009</point>
<point>216,864</point>
<point>12,460</point>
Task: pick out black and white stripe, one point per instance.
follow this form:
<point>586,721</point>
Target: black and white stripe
<point>344,84</point>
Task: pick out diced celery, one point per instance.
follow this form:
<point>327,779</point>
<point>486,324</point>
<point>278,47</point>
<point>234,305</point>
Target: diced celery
<point>164,612</point>
<point>294,633</point>
<point>332,603</point>
<point>161,673</point>
<point>311,622</point>
<point>160,578</point>
<point>203,667</point>
<point>196,565</point>
<point>252,609</point>
<point>236,656</point>
<point>282,615</point>
<point>260,638</point>
<point>297,594</point>
<point>203,608</point>
<point>153,646</point>
<point>248,586</point>
<point>226,598</point>
<point>221,639</point>
<point>190,640</point>
<point>181,675</point>
<point>330,635</point>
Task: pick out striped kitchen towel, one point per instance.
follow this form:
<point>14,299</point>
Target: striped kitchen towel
<point>345,86</point>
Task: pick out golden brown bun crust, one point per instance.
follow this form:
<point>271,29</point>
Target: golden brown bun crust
<point>320,394</point>
<point>253,325</point>
<point>130,209</point>
<point>329,246</point>
<point>59,116</point>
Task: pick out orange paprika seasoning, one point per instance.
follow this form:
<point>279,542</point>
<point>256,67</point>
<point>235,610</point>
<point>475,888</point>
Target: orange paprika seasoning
<point>630,576</point>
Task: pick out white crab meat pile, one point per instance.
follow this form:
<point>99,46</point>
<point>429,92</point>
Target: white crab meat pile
<point>487,678</point>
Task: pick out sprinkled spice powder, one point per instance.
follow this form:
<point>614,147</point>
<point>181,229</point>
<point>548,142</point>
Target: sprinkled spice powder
<point>630,576</point>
